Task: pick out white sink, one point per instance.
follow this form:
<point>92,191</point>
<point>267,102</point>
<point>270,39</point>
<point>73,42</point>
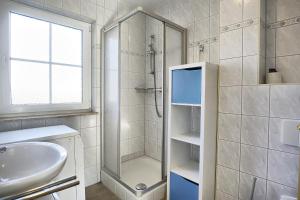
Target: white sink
<point>26,165</point>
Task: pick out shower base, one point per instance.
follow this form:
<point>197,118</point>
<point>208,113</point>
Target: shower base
<point>143,169</point>
<point>140,170</point>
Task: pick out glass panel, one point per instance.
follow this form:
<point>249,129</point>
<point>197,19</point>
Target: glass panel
<point>29,38</point>
<point>111,103</point>
<point>29,82</point>
<point>173,57</point>
<point>66,45</point>
<point>173,47</point>
<point>66,84</point>
<point>141,100</point>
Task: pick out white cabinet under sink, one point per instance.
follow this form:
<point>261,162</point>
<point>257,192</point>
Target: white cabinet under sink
<point>73,166</point>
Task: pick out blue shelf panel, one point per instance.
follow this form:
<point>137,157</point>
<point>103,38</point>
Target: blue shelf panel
<point>181,188</point>
<point>186,86</point>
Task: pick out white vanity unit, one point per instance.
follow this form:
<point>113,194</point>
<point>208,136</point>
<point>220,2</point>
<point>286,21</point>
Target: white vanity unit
<point>66,137</point>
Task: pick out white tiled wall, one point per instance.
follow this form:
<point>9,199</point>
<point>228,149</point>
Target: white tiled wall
<point>153,124</point>
<point>250,115</point>
<point>132,75</point>
<point>283,45</point>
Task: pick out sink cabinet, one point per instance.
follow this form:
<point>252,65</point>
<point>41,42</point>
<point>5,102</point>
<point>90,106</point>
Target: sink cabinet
<point>73,166</point>
<point>66,137</point>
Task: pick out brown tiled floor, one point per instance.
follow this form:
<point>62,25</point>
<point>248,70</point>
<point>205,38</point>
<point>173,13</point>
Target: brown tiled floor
<point>99,192</point>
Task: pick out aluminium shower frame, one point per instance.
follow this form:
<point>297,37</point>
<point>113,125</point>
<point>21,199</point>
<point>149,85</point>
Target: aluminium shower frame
<point>117,24</point>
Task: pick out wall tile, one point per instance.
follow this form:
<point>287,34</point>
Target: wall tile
<point>271,42</point>
<point>229,154</point>
<point>214,7</point>
<point>111,4</point>
<point>245,187</point>
<point>223,196</point>
<point>274,137</point>
<point>251,40</point>
<point>88,9</point>
<point>287,9</point>
<point>227,180</point>
<point>214,51</point>
<point>229,127</point>
<point>10,125</point>
<point>250,70</point>
<point>289,69</point>
<point>287,40</point>
<point>275,191</point>
<point>100,15</point>
<point>89,157</point>
<point>53,3</point>
<point>255,131</point>
<point>72,122</point>
<point>254,161</point>
<point>230,72</point>
<point>90,175</point>
<point>231,44</point>
<point>271,6</point>
<point>285,101</point>
<point>72,6</point>
<point>251,9</point>
<point>89,136</point>
<point>230,12</point>
<point>283,168</point>
<point>33,123</point>
<point>214,25</point>
<point>87,121</point>
<point>100,2</point>
<point>230,100</point>
<point>255,100</point>
<point>201,29</point>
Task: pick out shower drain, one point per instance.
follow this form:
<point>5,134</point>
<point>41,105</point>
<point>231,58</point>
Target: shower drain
<point>140,187</point>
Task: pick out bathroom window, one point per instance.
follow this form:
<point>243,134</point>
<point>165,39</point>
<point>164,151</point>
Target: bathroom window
<point>48,62</point>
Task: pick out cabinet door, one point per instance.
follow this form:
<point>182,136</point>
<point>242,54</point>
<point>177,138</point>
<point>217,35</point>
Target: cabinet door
<point>186,86</point>
<point>182,189</point>
<point>69,168</point>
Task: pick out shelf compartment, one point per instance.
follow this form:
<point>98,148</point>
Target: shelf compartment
<point>184,160</point>
<point>185,119</point>
<point>191,138</point>
<point>189,170</point>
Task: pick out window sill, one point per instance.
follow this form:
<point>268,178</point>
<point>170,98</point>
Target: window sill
<point>42,115</point>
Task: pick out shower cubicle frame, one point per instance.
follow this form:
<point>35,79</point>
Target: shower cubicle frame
<point>117,24</point>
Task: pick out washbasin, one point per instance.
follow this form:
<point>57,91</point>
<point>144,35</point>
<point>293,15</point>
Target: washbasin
<point>27,165</point>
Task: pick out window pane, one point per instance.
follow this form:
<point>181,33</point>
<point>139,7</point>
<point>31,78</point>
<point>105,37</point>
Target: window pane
<point>29,82</point>
<point>66,84</point>
<point>29,38</point>
<point>66,45</point>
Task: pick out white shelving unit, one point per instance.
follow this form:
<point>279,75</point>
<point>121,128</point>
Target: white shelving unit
<point>192,129</point>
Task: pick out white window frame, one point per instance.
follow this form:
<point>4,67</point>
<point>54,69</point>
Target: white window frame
<point>6,107</point>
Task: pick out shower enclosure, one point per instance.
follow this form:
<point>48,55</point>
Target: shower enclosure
<point>137,51</point>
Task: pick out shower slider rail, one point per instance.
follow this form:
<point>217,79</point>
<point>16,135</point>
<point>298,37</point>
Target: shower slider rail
<point>46,189</point>
<point>146,90</point>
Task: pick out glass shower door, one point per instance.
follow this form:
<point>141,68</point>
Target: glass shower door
<point>111,101</point>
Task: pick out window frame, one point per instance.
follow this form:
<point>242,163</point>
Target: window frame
<point>6,106</point>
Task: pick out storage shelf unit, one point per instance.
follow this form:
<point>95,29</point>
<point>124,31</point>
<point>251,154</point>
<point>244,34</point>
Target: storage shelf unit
<point>192,129</point>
